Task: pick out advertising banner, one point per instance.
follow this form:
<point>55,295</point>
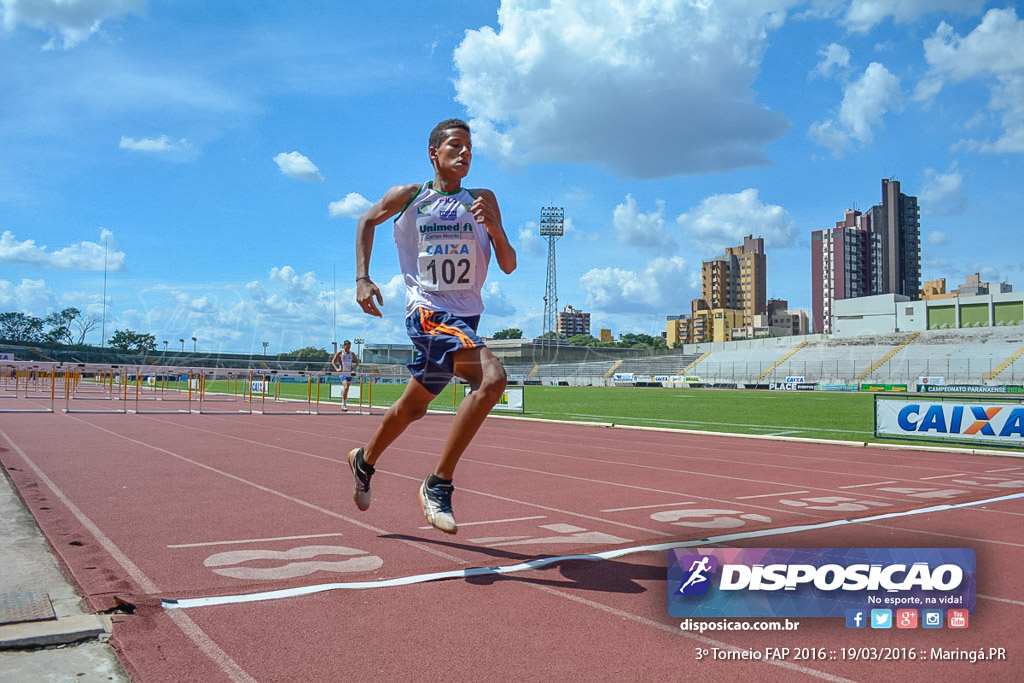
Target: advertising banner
<point>883,387</point>
<point>792,386</point>
<point>970,389</point>
<point>818,582</point>
<point>837,386</point>
<point>962,421</point>
<point>511,400</point>
<point>338,390</point>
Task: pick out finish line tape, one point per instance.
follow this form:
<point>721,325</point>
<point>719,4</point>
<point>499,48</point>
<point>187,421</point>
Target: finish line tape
<point>187,603</point>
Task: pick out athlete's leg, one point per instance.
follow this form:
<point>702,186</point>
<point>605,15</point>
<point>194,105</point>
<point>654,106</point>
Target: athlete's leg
<point>487,379</point>
<point>410,407</point>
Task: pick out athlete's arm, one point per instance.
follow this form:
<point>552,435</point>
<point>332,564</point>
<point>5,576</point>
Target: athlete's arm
<point>485,209</point>
<point>393,201</point>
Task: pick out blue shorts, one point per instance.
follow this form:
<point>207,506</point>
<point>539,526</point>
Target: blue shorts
<point>437,336</point>
<point>348,379</point>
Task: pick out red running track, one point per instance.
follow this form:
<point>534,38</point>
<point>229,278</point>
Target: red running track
<point>178,506</point>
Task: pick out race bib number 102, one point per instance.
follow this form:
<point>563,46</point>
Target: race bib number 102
<point>447,266</point>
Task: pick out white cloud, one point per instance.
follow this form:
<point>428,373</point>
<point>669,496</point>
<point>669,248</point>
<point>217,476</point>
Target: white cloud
<point>650,88</point>
<point>298,166</point>
<point>496,302</point>
<point>299,288</point>
<point>93,256</point>
<point>31,297</point>
<point>643,230</point>
<point>353,205</point>
<point>72,21</point>
<point>937,238</point>
<point>161,144</point>
<point>865,102</point>
<point>943,193</point>
<point>835,57</point>
<point>862,15</point>
<point>723,220</point>
<point>530,243</point>
<point>659,287</point>
<point>990,51</point>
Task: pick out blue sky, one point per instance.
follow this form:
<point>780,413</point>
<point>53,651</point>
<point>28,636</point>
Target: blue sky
<point>216,155</point>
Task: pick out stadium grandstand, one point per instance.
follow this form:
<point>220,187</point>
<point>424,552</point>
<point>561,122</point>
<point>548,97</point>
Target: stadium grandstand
<point>989,355</point>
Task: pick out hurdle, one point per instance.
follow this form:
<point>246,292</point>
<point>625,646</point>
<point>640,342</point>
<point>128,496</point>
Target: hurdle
<point>86,382</point>
<point>206,397</point>
<point>33,374</point>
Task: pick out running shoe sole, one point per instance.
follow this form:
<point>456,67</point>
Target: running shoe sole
<point>440,521</point>
<point>362,498</point>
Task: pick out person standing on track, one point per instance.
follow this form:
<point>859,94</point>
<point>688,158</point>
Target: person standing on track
<point>444,234</point>
<point>345,362</point>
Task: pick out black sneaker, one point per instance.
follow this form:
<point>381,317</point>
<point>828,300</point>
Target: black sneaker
<point>361,478</point>
<point>437,506</point>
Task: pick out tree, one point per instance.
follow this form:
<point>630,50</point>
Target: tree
<point>85,325</point>
<point>19,327</point>
<point>583,340</point>
<point>310,352</point>
<point>630,340</point>
<point>510,333</point>
<point>132,342</point>
<point>59,324</point>
<point>552,335</point>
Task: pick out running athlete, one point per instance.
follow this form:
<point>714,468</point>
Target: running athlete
<point>345,361</point>
<point>444,234</point>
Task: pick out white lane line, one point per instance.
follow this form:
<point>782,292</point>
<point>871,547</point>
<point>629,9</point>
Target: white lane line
<point>1005,469</point>
<point>494,521</point>
<point>1006,600</point>
<point>945,476</point>
<point>312,506</point>
<point>771,495</point>
<point>647,507</point>
<point>251,540</point>
<point>196,634</point>
<point>170,603</point>
<point>877,483</point>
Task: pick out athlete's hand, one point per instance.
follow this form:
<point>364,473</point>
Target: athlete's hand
<point>366,292</point>
<point>485,209</point>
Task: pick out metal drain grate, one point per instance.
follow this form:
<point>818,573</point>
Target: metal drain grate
<point>25,606</point>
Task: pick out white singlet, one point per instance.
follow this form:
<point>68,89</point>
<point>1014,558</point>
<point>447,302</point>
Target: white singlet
<point>443,252</point>
<point>346,363</point>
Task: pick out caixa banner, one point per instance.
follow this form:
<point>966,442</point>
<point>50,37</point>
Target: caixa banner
<point>951,420</point>
<point>817,582</point>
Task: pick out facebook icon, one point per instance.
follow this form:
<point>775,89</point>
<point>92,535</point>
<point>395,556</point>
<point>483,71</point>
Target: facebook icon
<point>856,618</point>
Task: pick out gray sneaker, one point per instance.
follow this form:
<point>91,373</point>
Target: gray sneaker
<point>361,479</point>
<point>437,506</point>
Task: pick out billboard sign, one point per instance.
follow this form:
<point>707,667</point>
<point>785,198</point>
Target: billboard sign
<point>956,420</point>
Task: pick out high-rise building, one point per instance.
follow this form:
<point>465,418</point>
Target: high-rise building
<point>572,322</point>
<point>736,281</point>
<point>877,252</point>
<point>897,223</point>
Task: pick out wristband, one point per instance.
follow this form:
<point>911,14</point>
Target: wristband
<point>362,277</point>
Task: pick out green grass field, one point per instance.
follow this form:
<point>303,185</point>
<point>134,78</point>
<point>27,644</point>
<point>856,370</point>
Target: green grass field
<point>837,416</point>
<point>842,416</point>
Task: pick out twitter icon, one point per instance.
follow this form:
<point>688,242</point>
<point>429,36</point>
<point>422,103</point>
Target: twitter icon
<point>881,618</point>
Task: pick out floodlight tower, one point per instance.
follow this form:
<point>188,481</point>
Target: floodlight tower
<point>552,226</point>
